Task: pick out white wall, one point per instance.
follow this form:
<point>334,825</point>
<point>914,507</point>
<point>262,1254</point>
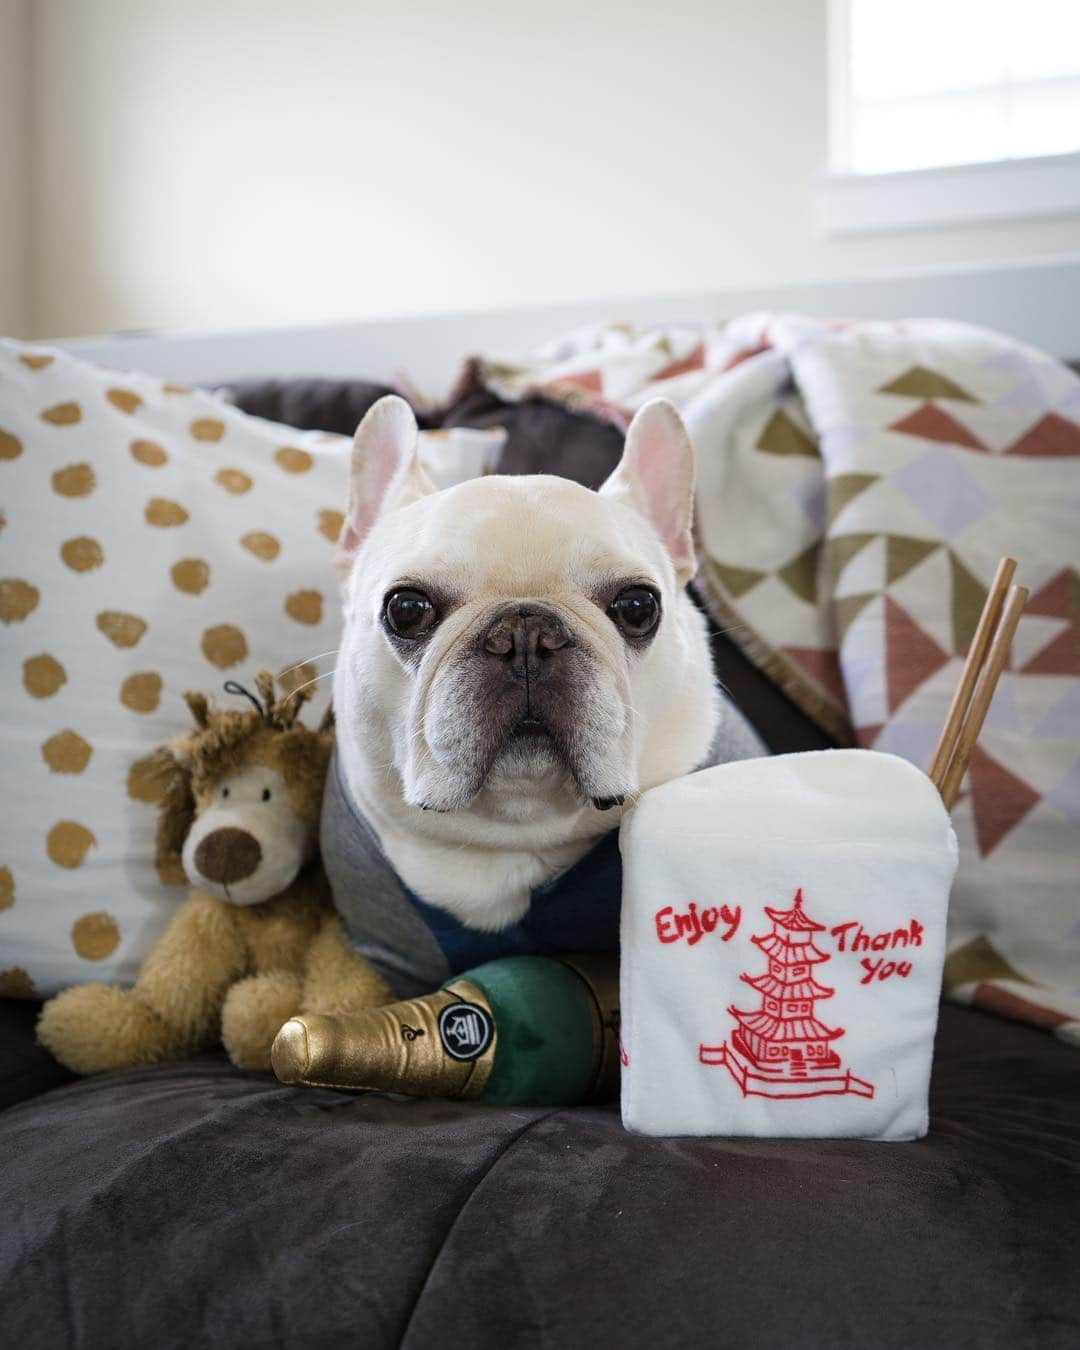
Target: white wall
<point>14,166</point>
<point>226,163</point>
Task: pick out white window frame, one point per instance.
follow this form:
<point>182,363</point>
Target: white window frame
<point>867,203</point>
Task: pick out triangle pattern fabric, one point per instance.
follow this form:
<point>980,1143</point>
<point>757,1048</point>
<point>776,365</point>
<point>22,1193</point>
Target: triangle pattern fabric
<point>847,610</point>
<point>994,427</point>
<point>1036,700</point>
<point>843,548</point>
<point>1061,657</point>
<point>1027,392</point>
<point>746,354</point>
<point>994,998</point>
<point>945,491</point>
<point>968,595</point>
<point>916,454</point>
<point>1051,435</point>
<point>1033,635</point>
<point>822,665</point>
<point>844,488</point>
<point>934,424</point>
<point>924,593</point>
<point>1064,797</point>
<point>843,441</point>
<point>864,673</point>
<point>977,960</point>
<point>865,572</point>
<point>1004,711</point>
<point>800,574</point>
<point>1061,718</point>
<point>590,380</point>
<point>911,655</point>
<point>694,360</point>
<point>919,382</point>
<point>913,740</point>
<point>999,800</point>
<point>736,580</point>
<point>902,553</point>
<point>781,436</point>
<point>1058,599</point>
<point>808,493</point>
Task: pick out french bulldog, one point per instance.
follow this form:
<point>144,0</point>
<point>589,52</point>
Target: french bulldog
<point>519,661</point>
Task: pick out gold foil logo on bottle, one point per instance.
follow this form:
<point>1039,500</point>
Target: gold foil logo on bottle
<point>399,1047</point>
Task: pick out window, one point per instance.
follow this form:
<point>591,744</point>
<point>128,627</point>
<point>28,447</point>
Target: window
<point>937,82</point>
<point>949,111</point>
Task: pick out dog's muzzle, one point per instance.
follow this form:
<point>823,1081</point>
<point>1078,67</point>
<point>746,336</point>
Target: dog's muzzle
<point>525,691</point>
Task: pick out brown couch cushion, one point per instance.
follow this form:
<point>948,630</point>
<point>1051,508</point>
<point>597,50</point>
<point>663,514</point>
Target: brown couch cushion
<point>26,1068</point>
<point>191,1204</point>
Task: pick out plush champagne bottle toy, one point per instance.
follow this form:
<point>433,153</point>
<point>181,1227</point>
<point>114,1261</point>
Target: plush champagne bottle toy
<point>524,1030</point>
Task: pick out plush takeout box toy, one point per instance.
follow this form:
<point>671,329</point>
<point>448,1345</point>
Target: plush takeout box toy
<point>783,934</point>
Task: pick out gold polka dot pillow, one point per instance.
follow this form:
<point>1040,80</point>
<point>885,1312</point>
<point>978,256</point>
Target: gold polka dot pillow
<point>152,540</point>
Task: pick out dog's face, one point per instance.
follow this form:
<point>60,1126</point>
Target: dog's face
<point>522,640</point>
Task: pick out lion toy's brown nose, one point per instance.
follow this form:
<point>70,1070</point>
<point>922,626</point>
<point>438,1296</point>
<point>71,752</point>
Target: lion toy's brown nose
<point>228,855</point>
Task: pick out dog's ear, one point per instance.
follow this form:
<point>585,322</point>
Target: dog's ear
<point>385,473</point>
<point>656,477</point>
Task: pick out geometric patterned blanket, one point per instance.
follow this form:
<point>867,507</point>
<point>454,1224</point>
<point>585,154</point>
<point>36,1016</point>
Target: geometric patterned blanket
<point>857,484</point>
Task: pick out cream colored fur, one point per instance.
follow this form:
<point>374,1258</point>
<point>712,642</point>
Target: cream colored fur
<point>407,724</point>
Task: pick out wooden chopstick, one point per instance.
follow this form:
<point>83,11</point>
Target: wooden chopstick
<point>972,724</point>
<point>980,645</point>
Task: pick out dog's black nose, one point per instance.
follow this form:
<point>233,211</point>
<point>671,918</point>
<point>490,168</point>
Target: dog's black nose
<point>526,637</point>
<point>228,855</point>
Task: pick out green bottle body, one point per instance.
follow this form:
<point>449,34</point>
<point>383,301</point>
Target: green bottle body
<point>546,1032</point>
<point>521,1031</point>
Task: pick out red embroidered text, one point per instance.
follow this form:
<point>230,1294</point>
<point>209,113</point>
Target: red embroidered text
<point>693,926</point>
<point>862,941</point>
<point>883,969</point>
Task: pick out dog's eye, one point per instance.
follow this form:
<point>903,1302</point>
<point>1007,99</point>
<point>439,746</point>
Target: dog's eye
<point>636,611</point>
<point>224,792</point>
<point>266,794</point>
<point>409,613</point>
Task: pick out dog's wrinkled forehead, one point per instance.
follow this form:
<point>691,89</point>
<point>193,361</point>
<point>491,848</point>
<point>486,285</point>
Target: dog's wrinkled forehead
<point>517,535</point>
<point>527,536</point>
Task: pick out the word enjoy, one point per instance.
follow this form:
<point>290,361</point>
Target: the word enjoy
<point>693,925</point>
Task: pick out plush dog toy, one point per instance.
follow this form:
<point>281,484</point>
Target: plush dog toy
<point>257,939</point>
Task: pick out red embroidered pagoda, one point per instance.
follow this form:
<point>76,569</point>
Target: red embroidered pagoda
<point>782,1049</point>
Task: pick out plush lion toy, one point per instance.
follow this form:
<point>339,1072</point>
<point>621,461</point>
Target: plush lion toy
<point>257,939</point>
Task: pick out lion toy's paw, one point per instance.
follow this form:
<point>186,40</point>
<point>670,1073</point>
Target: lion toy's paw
<point>254,1011</point>
<point>94,1028</point>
